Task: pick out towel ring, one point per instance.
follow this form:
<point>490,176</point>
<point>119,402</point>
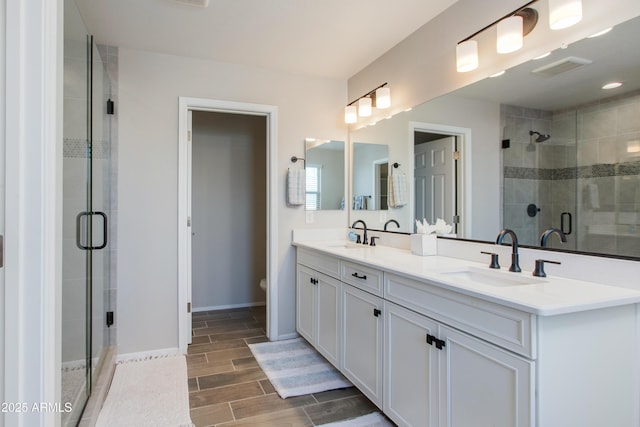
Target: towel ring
<point>294,159</point>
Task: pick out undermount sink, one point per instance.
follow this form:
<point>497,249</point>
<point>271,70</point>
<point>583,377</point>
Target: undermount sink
<point>492,278</point>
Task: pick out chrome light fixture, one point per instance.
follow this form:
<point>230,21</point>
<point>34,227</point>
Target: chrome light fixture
<point>380,98</point>
<point>512,28</point>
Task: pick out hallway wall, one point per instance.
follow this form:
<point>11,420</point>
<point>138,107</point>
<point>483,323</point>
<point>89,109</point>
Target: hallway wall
<point>149,87</point>
<point>229,214</point>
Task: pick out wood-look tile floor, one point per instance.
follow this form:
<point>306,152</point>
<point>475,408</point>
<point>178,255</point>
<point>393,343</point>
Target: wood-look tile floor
<point>228,388</point>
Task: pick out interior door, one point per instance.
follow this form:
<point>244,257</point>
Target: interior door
<point>434,179</point>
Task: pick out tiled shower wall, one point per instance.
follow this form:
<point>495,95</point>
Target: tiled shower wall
<point>589,167</point>
<point>609,175</point>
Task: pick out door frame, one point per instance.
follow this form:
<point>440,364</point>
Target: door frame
<point>464,168</point>
<point>270,112</point>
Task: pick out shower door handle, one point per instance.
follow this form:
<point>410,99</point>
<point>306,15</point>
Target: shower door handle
<point>569,223</point>
<point>90,215</point>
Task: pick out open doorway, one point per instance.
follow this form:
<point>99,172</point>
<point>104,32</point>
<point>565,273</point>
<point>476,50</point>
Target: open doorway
<point>441,185</point>
<point>228,210</point>
<point>225,172</point>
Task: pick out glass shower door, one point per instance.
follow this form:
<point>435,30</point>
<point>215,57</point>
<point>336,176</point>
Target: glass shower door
<point>86,195</point>
<point>539,166</point>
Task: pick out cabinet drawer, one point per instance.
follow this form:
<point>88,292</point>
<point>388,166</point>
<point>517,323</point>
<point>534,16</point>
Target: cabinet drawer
<point>366,278</point>
<point>323,263</point>
<point>506,327</point>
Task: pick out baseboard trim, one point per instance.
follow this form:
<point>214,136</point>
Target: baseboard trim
<point>148,355</point>
<point>226,307</point>
<point>286,337</point>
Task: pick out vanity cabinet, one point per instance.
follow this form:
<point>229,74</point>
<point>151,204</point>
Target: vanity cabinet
<point>318,314</point>
<point>455,379</point>
<point>430,354</point>
<point>362,343</point>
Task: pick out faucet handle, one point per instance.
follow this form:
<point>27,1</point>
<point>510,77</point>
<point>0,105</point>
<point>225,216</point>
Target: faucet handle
<point>494,259</point>
<point>373,240</point>
<point>358,239</point>
<point>539,270</point>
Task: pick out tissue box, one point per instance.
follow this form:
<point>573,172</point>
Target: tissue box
<point>424,244</point>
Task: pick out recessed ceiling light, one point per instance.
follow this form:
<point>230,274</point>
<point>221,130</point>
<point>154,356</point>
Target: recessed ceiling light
<point>612,85</point>
<point>544,55</point>
<point>498,74</point>
<point>600,33</point>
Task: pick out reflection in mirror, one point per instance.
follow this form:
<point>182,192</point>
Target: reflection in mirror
<point>370,175</point>
<point>571,156</point>
<point>325,182</point>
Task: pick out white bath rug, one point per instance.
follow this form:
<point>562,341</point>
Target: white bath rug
<point>150,393</point>
<point>295,368</point>
<point>374,419</point>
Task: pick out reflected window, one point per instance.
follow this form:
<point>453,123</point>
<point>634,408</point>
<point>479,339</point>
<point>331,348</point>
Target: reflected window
<point>313,179</point>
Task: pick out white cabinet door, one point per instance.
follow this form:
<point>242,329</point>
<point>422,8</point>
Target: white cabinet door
<point>410,368</point>
<point>328,320</point>
<point>306,303</point>
<point>362,342</point>
<point>483,385</point>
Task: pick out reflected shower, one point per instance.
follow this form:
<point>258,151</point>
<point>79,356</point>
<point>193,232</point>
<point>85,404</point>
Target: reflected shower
<point>541,136</point>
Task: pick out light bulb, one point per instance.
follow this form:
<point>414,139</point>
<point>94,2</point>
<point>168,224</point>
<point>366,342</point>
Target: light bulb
<point>364,107</point>
<point>467,56</point>
<point>350,114</point>
<point>564,13</point>
<point>509,34</point>
<point>383,98</point>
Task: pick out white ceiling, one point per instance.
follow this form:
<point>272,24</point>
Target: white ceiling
<point>327,38</point>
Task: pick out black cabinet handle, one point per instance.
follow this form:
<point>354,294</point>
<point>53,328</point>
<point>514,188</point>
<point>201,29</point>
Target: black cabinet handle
<point>357,276</point>
<point>376,312</point>
<point>431,340</point>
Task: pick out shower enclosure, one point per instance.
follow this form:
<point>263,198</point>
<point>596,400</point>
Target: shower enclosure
<point>577,170</point>
<point>86,196</point>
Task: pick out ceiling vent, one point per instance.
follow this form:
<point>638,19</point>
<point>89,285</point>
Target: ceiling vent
<point>200,3</point>
<point>561,66</point>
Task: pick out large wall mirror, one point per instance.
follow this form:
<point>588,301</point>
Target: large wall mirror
<point>541,146</point>
<point>325,174</point>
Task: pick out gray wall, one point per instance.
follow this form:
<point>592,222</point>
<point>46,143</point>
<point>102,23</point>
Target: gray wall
<point>229,214</point>
<point>149,87</point>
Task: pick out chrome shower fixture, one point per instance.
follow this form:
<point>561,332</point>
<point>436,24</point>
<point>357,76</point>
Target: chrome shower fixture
<point>541,136</point>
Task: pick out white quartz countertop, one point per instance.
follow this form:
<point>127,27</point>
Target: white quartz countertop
<point>540,296</point>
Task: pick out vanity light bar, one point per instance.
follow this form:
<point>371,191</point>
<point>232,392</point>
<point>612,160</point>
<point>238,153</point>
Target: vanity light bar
<point>380,98</point>
<point>514,26</point>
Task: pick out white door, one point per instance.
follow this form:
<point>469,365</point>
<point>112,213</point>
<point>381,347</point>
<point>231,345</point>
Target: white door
<point>328,321</point>
<point>362,341</point>
<point>483,385</point>
<point>189,234</point>
<point>434,180</point>
<point>306,303</point>
<point>410,368</point>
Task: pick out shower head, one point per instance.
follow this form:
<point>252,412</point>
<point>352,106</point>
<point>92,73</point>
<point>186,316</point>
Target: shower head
<point>541,136</point>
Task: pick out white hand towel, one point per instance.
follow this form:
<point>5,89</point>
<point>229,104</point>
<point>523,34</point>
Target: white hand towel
<point>398,193</point>
<point>296,187</point>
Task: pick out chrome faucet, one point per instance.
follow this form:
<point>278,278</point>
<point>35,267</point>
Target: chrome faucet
<point>365,240</point>
<point>389,222</point>
<point>515,264</point>
<point>544,236</point>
